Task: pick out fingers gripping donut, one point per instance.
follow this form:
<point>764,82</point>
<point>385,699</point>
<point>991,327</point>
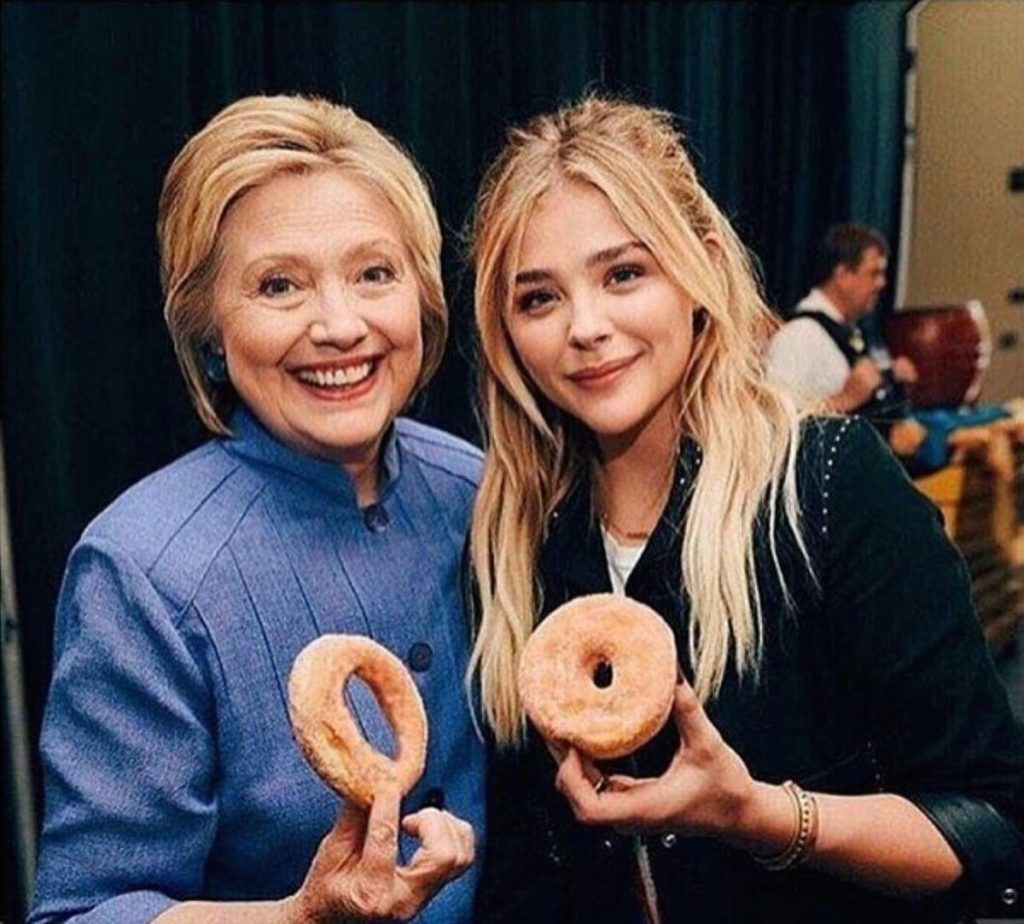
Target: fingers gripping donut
<point>599,673</point>
<point>326,730</point>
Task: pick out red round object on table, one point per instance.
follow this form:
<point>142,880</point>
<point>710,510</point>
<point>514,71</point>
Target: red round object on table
<point>948,344</point>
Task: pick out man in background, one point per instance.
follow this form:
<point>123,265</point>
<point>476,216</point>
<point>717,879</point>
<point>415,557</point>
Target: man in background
<point>821,354</point>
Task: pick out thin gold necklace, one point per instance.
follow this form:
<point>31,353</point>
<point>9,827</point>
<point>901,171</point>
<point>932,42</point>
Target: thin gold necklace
<point>658,499</point>
<point>628,534</point>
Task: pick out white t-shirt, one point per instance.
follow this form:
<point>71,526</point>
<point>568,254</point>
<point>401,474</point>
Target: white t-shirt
<point>621,560</point>
<point>802,357</point>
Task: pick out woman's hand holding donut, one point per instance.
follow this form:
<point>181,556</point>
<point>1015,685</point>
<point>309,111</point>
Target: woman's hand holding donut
<point>706,790</point>
<point>601,674</point>
<point>354,875</point>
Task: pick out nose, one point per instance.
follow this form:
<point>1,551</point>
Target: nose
<point>588,324</point>
<point>337,320</point>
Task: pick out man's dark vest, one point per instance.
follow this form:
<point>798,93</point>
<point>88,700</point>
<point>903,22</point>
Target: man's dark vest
<point>889,402</point>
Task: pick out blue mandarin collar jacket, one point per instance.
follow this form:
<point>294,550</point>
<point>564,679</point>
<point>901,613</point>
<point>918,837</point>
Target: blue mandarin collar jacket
<point>170,767</point>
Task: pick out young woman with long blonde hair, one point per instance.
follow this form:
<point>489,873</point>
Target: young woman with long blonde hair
<point>839,711</point>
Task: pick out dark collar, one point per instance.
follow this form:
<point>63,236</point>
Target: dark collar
<point>572,555</point>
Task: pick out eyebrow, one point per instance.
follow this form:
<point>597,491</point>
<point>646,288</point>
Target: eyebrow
<point>595,259</point>
<point>380,245</point>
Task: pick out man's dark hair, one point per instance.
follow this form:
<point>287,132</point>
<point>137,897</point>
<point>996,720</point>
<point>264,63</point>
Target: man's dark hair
<point>845,244</point>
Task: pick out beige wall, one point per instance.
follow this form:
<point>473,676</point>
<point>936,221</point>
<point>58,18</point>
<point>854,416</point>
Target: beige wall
<point>967,231</point>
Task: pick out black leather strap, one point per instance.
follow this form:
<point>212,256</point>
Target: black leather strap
<point>844,336</point>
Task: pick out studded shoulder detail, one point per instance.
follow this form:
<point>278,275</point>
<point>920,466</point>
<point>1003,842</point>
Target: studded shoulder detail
<point>830,458</point>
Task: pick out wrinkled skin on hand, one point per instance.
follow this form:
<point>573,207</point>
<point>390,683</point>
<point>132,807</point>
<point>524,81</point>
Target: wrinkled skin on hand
<point>354,875</point>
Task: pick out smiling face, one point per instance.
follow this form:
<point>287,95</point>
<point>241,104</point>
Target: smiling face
<point>317,307</point>
<point>600,328</point>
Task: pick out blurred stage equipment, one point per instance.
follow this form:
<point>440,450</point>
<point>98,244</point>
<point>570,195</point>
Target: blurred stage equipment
<point>980,488</point>
<point>949,344</point>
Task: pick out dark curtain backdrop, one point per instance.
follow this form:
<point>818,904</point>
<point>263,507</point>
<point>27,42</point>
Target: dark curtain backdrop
<point>793,111</point>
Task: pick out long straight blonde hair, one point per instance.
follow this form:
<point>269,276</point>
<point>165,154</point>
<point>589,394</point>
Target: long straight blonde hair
<point>748,430</point>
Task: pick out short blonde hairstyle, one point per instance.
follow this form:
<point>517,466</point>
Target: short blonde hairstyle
<point>747,429</point>
<point>244,146</point>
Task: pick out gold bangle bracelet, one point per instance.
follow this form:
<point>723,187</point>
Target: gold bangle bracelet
<point>805,835</point>
<point>812,837</point>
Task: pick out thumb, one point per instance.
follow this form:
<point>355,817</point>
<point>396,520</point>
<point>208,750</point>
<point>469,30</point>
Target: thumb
<point>380,847</point>
<point>694,726</point>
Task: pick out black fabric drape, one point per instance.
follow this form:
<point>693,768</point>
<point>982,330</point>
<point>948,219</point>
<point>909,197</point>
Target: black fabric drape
<point>97,99</point>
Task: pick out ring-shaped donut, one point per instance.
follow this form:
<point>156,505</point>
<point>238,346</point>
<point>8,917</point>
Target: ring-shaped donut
<point>599,673</point>
<point>326,730</point>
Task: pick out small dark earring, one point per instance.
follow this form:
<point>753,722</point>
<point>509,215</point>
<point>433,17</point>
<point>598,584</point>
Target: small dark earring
<point>215,364</point>
<point>700,319</point>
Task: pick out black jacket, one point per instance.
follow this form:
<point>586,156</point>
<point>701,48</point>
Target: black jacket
<point>875,678</point>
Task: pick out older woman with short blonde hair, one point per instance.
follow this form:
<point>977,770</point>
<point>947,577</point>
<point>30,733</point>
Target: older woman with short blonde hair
<point>300,257</point>
<point>241,149</point>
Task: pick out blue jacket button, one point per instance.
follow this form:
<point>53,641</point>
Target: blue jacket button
<point>420,656</point>
<point>376,518</point>
<point>433,798</point>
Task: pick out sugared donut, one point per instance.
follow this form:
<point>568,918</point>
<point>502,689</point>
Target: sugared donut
<point>599,673</point>
<point>326,730</point>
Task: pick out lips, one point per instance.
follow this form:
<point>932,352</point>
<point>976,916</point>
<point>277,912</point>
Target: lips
<point>331,378</point>
<point>339,379</point>
<point>602,372</point>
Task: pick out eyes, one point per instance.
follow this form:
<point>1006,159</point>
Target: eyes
<point>534,300</point>
<point>379,274</point>
<point>619,278</point>
<point>287,286</point>
<point>275,286</point>
<point>620,275</point>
